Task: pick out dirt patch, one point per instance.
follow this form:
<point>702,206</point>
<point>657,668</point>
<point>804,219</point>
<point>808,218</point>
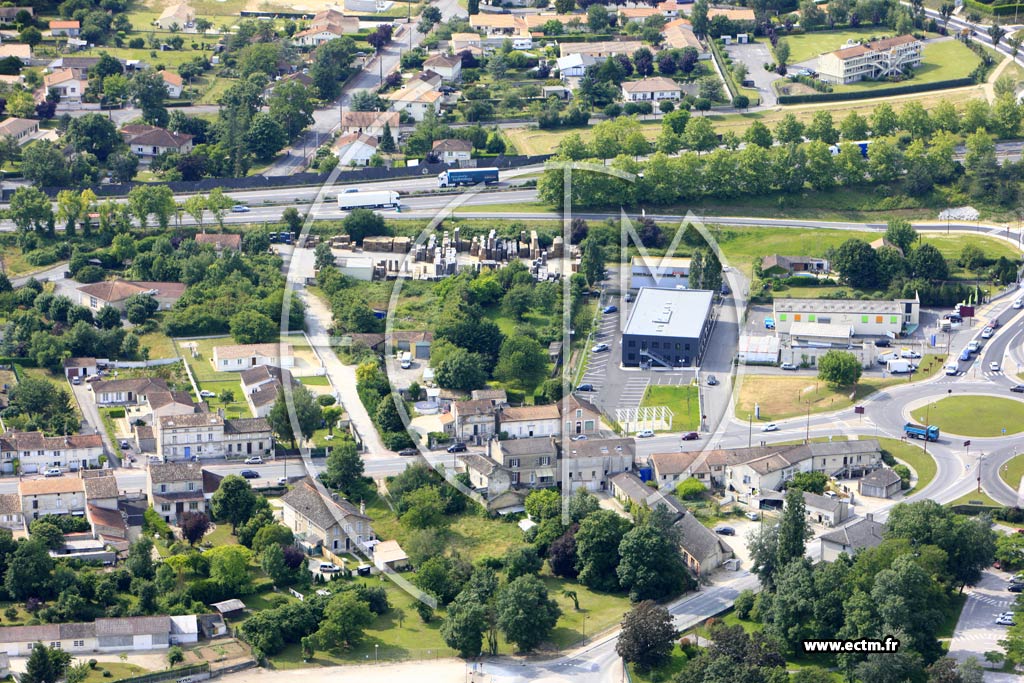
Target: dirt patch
<point>219,653</point>
<point>794,88</point>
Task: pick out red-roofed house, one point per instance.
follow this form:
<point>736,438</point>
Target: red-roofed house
<point>173,82</point>
<point>64,28</point>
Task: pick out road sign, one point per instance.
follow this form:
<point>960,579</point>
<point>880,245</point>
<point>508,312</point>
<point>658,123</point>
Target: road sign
<point>858,410</point>
<point>967,443</point>
<point>1004,430</point>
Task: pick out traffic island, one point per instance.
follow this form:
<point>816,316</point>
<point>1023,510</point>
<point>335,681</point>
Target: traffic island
<point>976,415</point>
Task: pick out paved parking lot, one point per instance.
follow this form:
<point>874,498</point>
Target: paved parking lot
<point>755,56</point>
<point>977,632</point>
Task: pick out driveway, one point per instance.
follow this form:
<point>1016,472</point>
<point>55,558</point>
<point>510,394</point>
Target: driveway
<point>755,56</point>
<point>91,422</point>
<point>976,632</point>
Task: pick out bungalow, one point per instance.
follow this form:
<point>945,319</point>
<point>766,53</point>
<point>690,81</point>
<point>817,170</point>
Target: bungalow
<point>416,99</point>
<point>530,421</point>
<point>370,122</point>
<point>601,50</point>
<point>448,67</point>
<point>18,50</point>
<point>261,386</point>
<point>388,555</point>
<point>9,14</point>
<point>864,533</point>
<point>51,496</point>
<point>238,357</point>
<point>174,84</point>
<point>79,367</point>
<point>678,34</point>
<point>355,149</point>
<point>126,392</point>
<point>327,24</point>
<point>322,521</point>
<point>117,292</point>
<point>574,65</point>
<point>103,635</point>
<point>70,84</point>
<point>220,241</point>
<point>65,28</point>
<point>467,41</point>
<point>655,89</point>
<point>825,510</point>
<point>35,452</point>
<point>19,130</point>
<point>784,266</point>
<point>452,151</point>
<point>176,17</point>
<point>155,142</point>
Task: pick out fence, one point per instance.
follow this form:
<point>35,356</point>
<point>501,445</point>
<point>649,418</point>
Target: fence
<point>183,675</point>
<point>260,182</point>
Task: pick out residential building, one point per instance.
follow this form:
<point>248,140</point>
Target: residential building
<point>461,42</point>
<point>826,510</point>
<point>473,420</point>
<point>328,24</point>
<point>100,488</point>
<point>530,462</point>
<point>388,555</point>
<point>35,452</point>
<point>702,548</point>
<point>522,25</point>
<point>669,468</point>
<point>81,64</point>
<point>126,392</point>
<point>591,464</point>
<point>885,58</point>
<point>637,13</point>
<point>486,474</point>
<point>19,130</point>
<point>21,51</point>
<point>574,65</point>
<point>529,421</point>
<point>452,151</point>
<point>174,84</point>
<point>238,357</point>
<point>176,17</point>
<point>416,98</point>
<point>160,404</point>
<point>262,385</point>
<point>80,367</point>
<point>103,635</point>
<point>11,517</point>
<point>582,417</point>
<point>731,13</point>
<point>9,14</point>
<point>174,488</point>
<point>448,67</point>
<point>654,88</point>
<point>497,397</point>
<point>666,327</point>
<point>785,266</point>
<point>355,149</point>
<point>51,496</point>
<point>220,241</point>
<point>70,84</point>
<point>209,435</point>
<point>862,317</point>
<point>117,292</point>
<point>325,521</point>
<point>370,122</point>
<point>882,483</point>
<point>662,272</point>
<point>157,141</point>
<point>864,533</point>
<point>65,28</point>
<point>601,50</point>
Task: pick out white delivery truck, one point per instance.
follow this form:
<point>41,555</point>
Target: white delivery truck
<point>374,199</point>
<point>898,366</point>
<point>406,360</point>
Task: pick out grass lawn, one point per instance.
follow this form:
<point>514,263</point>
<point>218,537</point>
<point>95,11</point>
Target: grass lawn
<point>236,409</point>
<point>975,498</point>
<point>951,614</point>
<point>1012,471</point>
<point>118,671</point>
<point>809,45</point>
<point>16,264</point>
<point>171,59</point>
<point>159,345</point>
<point>666,672</point>
<point>681,400</point>
<point>221,535</point>
<point>941,61</point>
<point>974,415</point>
<point>781,397</point>
<point>315,381</point>
<point>914,457</point>
<point>108,425</point>
<point>202,366</point>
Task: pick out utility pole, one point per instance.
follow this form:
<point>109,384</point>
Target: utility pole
<point>981,458</point>
<point>807,434</point>
<point>750,429</point>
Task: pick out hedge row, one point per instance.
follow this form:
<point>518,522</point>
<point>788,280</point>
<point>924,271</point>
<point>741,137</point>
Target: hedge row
<point>887,92</point>
<point>994,9</point>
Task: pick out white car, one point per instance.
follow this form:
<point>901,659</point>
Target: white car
<point>254,460</point>
<point>647,433</point>
<point>770,427</point>
<point>1019,303</point>
<point>1004,620</point>
<point>987,333</point>
<point>993,366</point>
<point>907,353</point>
<point>52,472</point>
<point>329,568</point>
<point>598,348</point>
<point>206,393</point>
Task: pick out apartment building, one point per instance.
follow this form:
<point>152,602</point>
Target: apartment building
<point>35,452</point>
<point>209,435</point>
<point>886,58</point>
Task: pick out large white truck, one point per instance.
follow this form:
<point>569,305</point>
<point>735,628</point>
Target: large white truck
<point>374,199</point>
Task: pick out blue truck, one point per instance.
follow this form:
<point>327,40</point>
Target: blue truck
<point>467,176</point>
<point>913,431</point>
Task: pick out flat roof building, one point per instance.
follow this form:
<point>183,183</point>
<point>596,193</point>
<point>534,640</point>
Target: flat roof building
<point>863,318</point>
<point>667,327</point>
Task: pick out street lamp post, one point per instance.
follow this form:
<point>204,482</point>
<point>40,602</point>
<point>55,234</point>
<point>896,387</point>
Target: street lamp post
<point>376,646</point>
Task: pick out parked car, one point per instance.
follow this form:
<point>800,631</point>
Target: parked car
<point>769,323</point>
<point>457,448</point>
<point>598,348</point>
<point>206,393</point>
<point>250,474</point>
<point>406,452</point>
<point>329,568</point>
<point>239,208</point>
<point>1016,588</point>
<point>788,366</point>
<point>76,380</point>
<point>691,436</point>
<point>725,531</point>
<point>610,309</point>
<point>1004,620</point>
<point>770,427</point>
<point>712,381</point>
<point>94,378</point>
<point>124,445</point>
<point>282,481</point>
<point>254,460</point>
<point>882,343</point>
<point>579,437</point>
<point>753,516</point>
<point>585,387</point>
<point>908,353</point>
<point>1017,388</point>
<point>52,472</point>
<point>645,433</point>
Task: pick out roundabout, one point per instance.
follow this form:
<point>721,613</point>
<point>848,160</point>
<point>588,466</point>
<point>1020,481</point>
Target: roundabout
<point>973,415</point>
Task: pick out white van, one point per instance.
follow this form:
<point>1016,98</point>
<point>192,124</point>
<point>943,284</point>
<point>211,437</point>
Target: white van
<point>522,44</point>
<point>952,369</point>
<point>406,360</point>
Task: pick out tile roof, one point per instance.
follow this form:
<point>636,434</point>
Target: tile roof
<point>221,240</point>
<point>159,399</point>
<point>172,78</point>
<point>79,362</point>
<point>531,446</point>
<point>883,476</point>
<point>522,413</point>
<point>489,395</point>
<point>272,350</point>
<point>442,60</point>
<point>29,634</point>
<point>62,76</point>
<point>37,441</point>
<point>14,126</point>
<point>322,511</point>
<point>818,502</point>
<point>850,52</point>
<point>119,290</point>
<point>161,138</point>
<point>100,487</point>
<point>193,420</point>
<point>170,472</point>
<point>104,517</point>
<point>246,425</point>
<point>698,540</point>
<point>138,385</point>
<point>655,84</point>
<point>63,24</point>
<point>467,408</point>
<point>864,533</point>
<point>480,463</point>
<point>133,626</point>
<point>895,41</point>
<point>596,448</point>
<point>452,145</point>
<point>365,119</point>
<point>672,464</point>
<point>49,485</point>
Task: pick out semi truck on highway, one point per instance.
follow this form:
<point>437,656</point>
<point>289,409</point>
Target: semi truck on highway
<point>375,199</point>
<point>913,431</point>
<point>467,176</point>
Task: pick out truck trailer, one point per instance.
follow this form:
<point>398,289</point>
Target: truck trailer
<point>374,199</point>
<point>467,176</point>
<point>915,431</point>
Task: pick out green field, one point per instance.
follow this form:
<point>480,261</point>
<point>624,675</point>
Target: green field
<point>1012,471</point>
<point>914,457</point>
<point>681,400</point>
<point>809,45</point>
<point>940,61</point>
<point>974,415</point>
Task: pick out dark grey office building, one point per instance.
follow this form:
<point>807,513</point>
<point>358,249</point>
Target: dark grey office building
<point>667,327</point>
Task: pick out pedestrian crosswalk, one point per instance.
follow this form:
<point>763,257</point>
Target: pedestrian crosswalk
<point>990,600</point>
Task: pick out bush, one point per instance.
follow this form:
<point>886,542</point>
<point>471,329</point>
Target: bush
<point>904,473</point>
<point>690,489</point>
<point>89,274</point>
<point>116,413</point>
<point>92,663</point>
<point>888,92</point>
<point>744,604</point>
<point>326,400</point>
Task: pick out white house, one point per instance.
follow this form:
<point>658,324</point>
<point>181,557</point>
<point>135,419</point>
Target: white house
<point>177,16</point>
<point>209,435</point>
<point>452,151</point>
<point>51,496</point>
<point>126,392</point>
<point>574,65</point>
<point>355,149</point>
<point>327,25</point>
<point>174,84</point>
<point>370,122</point>
<point>19,130</point>
<point>529,421</point>
<point>157,141</point>
<point>70,84</point>
<point>35,452</point>
<point>117,634</point>
<point>416,99</point>
<point>448,67</point>
<point>651,89</point>
<point>238,357</point>
<point>65,28</point>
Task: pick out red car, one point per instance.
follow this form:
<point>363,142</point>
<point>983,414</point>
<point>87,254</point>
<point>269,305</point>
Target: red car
<point>691,436</point>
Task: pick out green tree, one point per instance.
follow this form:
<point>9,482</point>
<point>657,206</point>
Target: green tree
<point>93,133</point>
<point>308,415</point>
<point>700,135</point>
<point>362,223</point>
<point>266,137</point>
<point>854,127</point>
<point>647,636</point>
<point>521,360</point>
<point>857,264</point>
<point>345,618</point>
<point>592,262</point>
<point>464,625</point>
<point>522,561</point>
<point>424,508</point>
<point>651,566</point>
<point>901,233</point>
<point>789,130</point>
<point>927,262</point>
<point>821,128</point>
<point>234,500</point>
<point>812,482</point>
<point>581,504</point>
<point>884,120</point>
<point>597,547</point>
<point>758,134</point>
<point>30,209</point>
<point>793,529</point>
<point>148,91</point>
<point>460,369</point>
<point>443,577</point>
<point>525,612</point>
<point>28,571</point>
<point>46,664</point>
<point>229,566</point>
<point>252,327</point>
<point>291,106</point>
<point>345,470</point>
<point>543,504</point>
<point>839,368</point>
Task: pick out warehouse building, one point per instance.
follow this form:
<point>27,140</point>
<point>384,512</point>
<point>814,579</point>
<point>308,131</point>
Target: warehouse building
<point>854,317</point>
<point>667,327</point>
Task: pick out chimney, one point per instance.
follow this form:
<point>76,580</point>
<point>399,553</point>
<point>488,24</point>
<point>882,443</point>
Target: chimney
<point>870,516</point>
